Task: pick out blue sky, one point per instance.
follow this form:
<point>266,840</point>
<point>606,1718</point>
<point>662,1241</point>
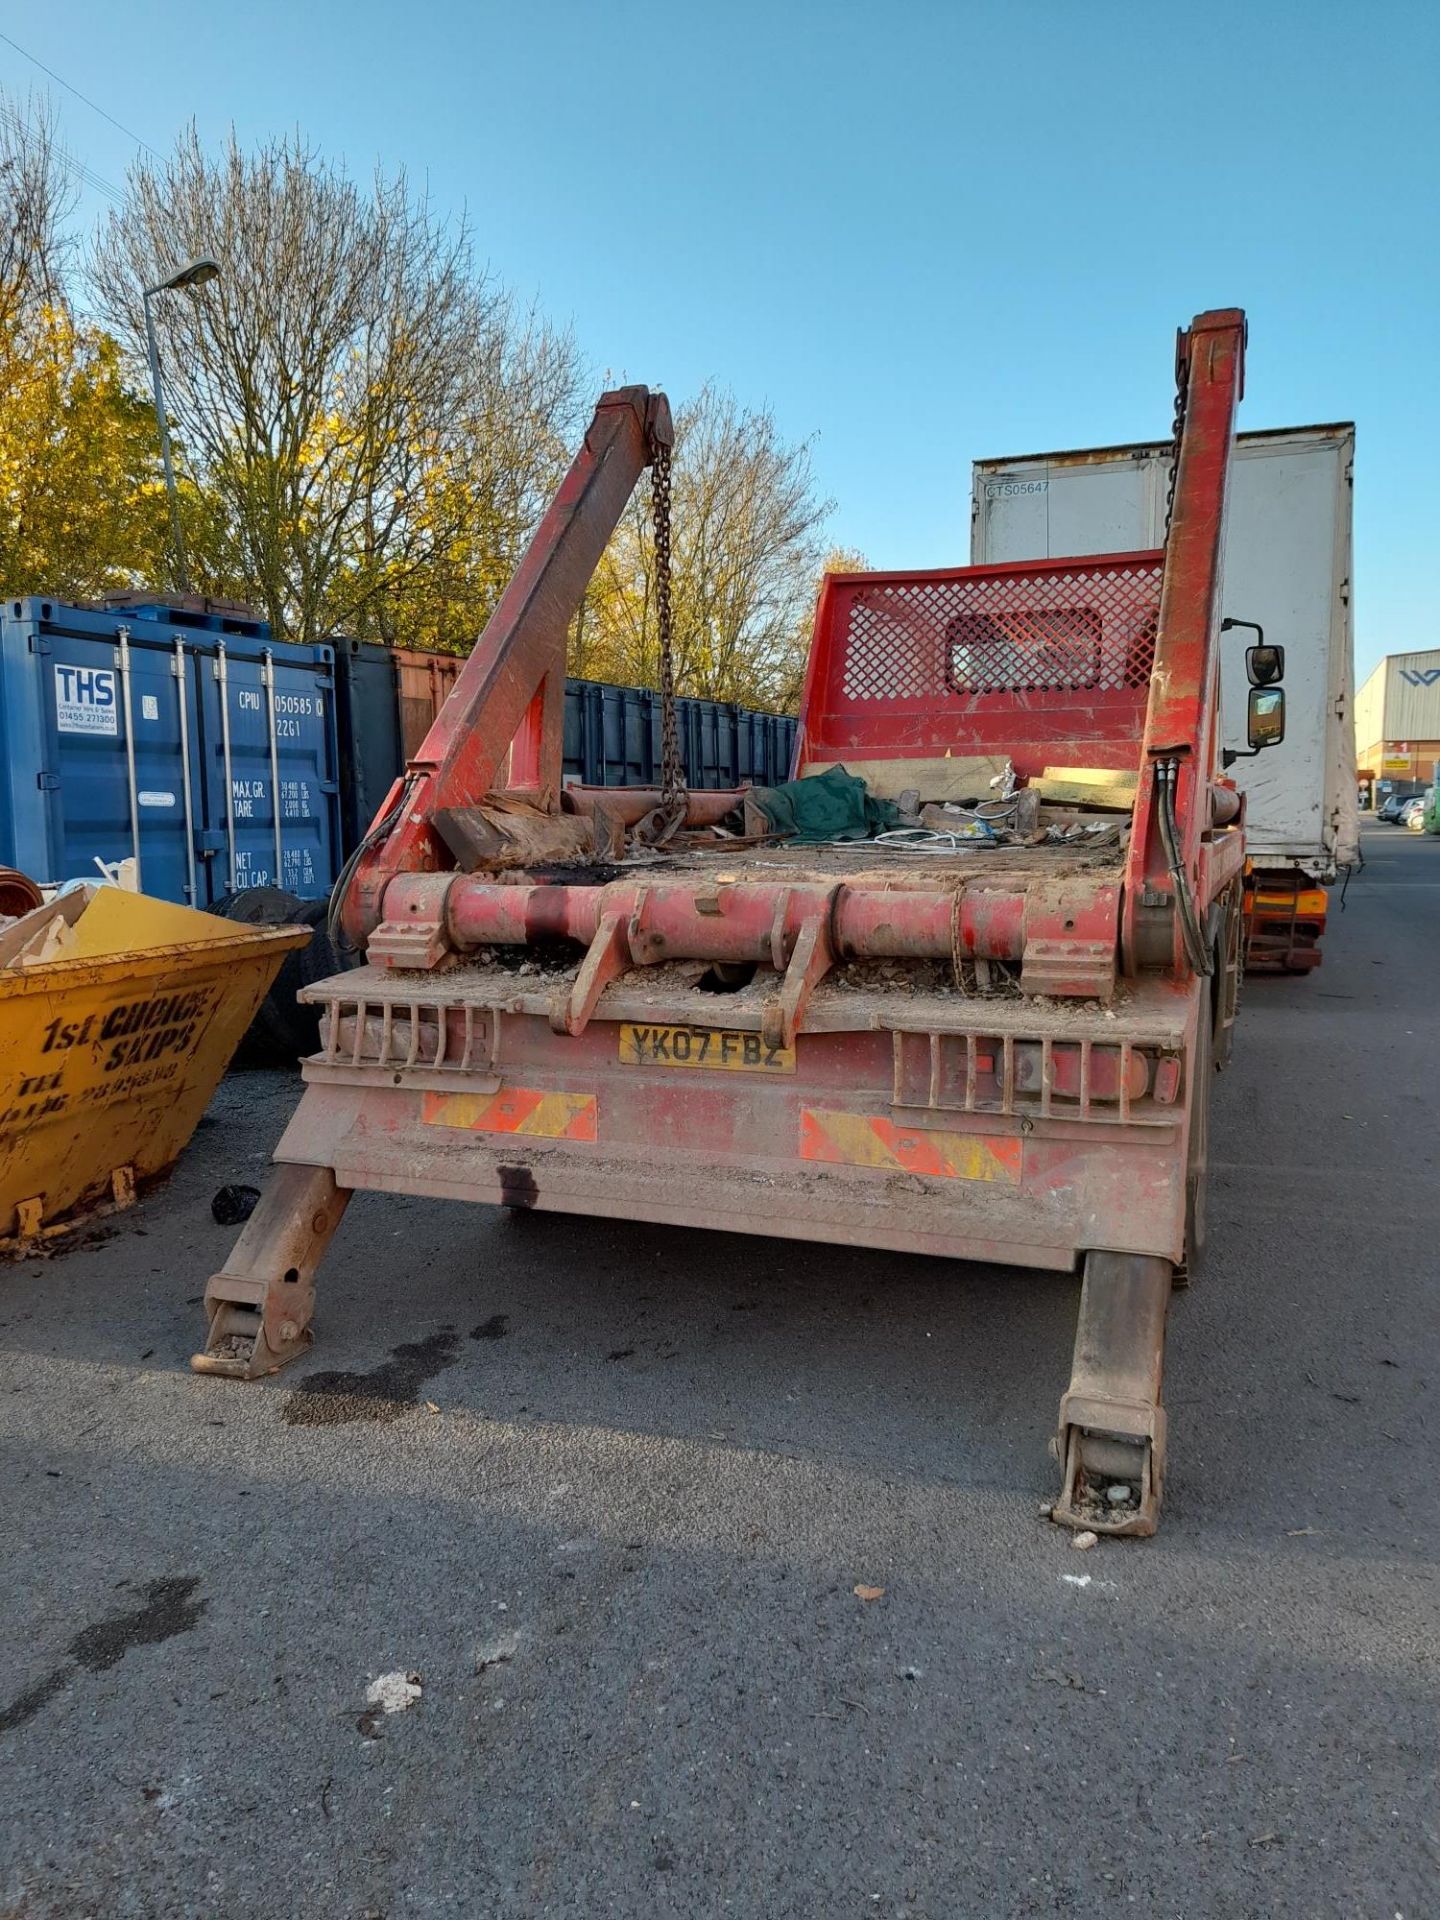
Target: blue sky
<point>921,232</point>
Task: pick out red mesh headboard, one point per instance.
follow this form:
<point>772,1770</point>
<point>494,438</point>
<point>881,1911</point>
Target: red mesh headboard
<point>1046,660</point>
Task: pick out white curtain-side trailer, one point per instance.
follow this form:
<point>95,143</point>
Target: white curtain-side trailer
<point>1288,567</point>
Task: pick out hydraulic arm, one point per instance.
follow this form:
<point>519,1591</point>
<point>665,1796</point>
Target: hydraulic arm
<point>512,688</point>
<point>1174,868</point>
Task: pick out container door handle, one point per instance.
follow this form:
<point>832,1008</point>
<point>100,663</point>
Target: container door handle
<point>177,667</point>
<point>122,660</point>
<point>267,675</point>
<point>222,676</point>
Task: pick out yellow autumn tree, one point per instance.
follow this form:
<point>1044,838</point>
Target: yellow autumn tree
<point>789,672</point>
<point>82,505</point>
<point>81,510</point>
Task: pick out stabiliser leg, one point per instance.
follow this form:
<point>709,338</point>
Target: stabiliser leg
<point>1111,1440</point>
<point>261,1302</point>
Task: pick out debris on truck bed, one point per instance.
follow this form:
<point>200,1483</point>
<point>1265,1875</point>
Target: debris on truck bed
<point>874,863</point>
<point>835,806</point>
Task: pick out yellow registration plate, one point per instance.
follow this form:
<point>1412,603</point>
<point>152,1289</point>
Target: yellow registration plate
<point>709,1047</point>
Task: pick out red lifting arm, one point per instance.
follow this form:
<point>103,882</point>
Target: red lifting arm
<point>513,685</point>
<point>1183,713</point>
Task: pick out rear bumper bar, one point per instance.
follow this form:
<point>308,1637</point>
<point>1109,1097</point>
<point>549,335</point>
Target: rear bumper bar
<point>873,1137</point>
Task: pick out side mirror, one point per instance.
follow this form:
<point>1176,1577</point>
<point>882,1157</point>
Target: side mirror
<point>1265,665</point>
<point>1265,716</point>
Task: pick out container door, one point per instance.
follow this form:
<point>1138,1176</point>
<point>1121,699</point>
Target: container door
<point>369,729</point>
<point>270,757</point>
<point>620,749</point>
<point>305,725</point>
<point>752,759</point>
<point>425,681</point>
<point>574,747</point>
<point>634,759</point>
<point>115,718</point>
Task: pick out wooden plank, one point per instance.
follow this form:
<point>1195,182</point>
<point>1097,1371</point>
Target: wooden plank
<point>1095,776</point>
<point>505,833</point>
<point>1089,787</point>
<point>1076,793</point>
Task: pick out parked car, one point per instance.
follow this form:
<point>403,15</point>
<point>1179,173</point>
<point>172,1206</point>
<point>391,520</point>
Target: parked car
<point>1412,814</point>
<point>1390,807</point>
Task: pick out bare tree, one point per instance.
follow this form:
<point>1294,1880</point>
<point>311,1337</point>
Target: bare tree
<point>37,197</point>
<point>512,448</point>
<point>745,547</point>
<point>335,389</point>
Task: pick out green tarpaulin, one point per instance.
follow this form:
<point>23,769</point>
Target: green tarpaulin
<point>833,805</point>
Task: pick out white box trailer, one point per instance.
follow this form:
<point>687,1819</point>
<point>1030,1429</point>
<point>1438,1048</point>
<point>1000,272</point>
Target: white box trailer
<point>1287,566</point>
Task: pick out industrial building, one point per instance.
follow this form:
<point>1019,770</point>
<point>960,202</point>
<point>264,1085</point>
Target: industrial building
<point>1397,719</point>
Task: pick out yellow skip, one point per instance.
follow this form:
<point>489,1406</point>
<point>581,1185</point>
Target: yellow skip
<point>118,1015</point>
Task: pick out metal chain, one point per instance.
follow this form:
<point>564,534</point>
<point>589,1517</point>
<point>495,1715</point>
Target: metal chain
<point>1182,391</point>
<point>672,768</point>
<point>663,821</point>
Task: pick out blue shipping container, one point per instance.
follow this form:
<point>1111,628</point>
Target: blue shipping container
<point>613,739</point>
<point>612,734</point>
<point>191,740</point>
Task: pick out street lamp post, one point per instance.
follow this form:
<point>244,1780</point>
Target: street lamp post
<point>194,273</point>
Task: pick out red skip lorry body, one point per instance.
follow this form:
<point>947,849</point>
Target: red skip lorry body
<point>1000,1054</point>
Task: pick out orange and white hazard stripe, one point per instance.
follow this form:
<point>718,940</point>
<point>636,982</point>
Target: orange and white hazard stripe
<point>527,1110</point>
<point>872,1140</point>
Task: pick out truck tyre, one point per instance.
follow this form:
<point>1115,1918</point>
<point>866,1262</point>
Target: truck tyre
<point>283,1030</point>
<point>319,960</point>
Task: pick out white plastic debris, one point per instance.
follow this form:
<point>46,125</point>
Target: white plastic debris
<point>495,1652</point>
<point>393,1692</point>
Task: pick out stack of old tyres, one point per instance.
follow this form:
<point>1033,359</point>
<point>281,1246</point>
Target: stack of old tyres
<point>284,1028</point>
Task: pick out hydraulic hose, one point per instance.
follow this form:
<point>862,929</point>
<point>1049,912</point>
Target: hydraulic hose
<point>382,827</point>
<point>1196,951</point>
